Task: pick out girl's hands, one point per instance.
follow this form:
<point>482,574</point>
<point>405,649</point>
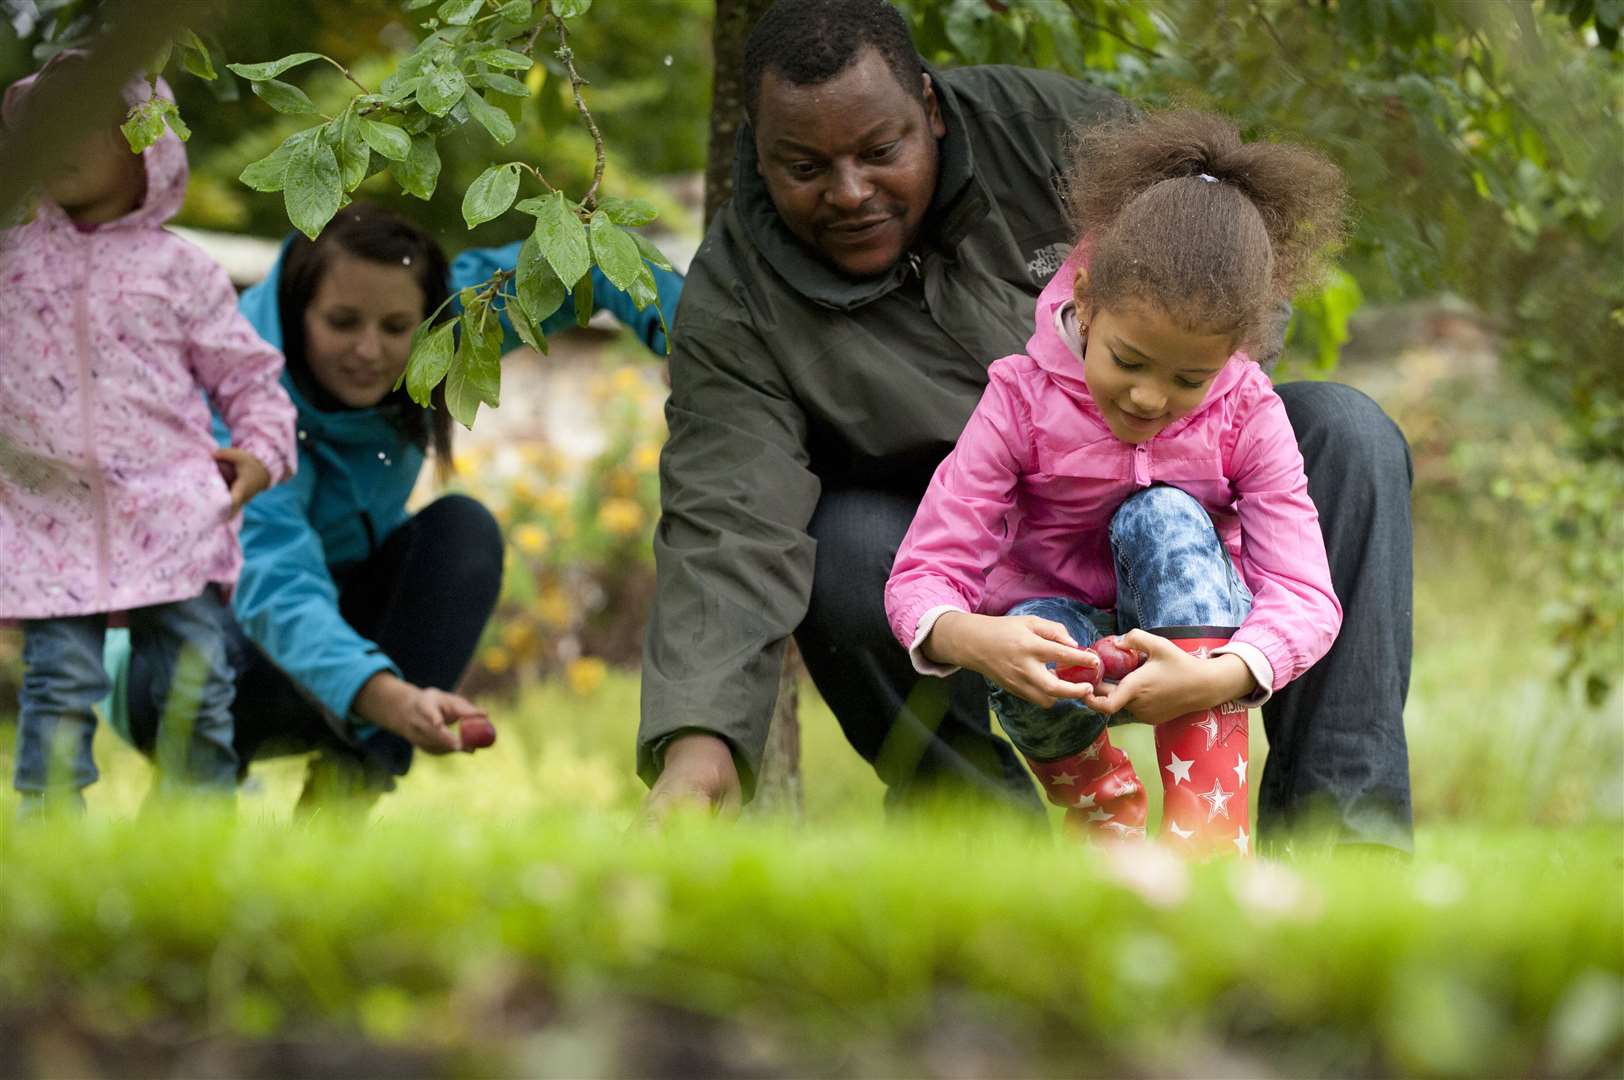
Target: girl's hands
<point>1014,651</point>
<point>244,474</point>
<point>421,715</point>
<point>1171,682</point>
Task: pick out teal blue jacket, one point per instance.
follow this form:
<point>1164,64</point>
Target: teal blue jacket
<point>355,473</point>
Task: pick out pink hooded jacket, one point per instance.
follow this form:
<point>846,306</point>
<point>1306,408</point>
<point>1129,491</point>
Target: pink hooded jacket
<point>1022,506</point>
<point>109,496</point>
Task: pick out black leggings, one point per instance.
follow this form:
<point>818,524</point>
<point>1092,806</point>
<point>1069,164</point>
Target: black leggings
<point>424,597</point>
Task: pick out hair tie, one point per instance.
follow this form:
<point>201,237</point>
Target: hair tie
<point>1208,177</point>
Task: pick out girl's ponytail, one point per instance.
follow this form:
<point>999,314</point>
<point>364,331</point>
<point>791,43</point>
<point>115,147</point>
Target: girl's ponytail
<point>1177,209</point>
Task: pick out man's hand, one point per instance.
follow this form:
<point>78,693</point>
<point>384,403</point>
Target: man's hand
<point>698,772</point>
<point>1014,651</point>
<point>243,473</point>
<point>1171,682</point>
<point>421,715</point>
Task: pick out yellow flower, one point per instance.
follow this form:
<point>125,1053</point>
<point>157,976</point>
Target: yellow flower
<point>525,489</point>
<point>646,458</point>
<point>519,637</point>
<point>621,482</point>
<point>555,502</point>
<point>496,659</point>
<point>627,381</point>
<point>530,539</point>
<point>465,462</point>
<point>585,675</point>
<point>622,517</point>
<point>553,607</point>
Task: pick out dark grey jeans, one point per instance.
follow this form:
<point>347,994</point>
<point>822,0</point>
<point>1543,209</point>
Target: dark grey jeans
<point>1337,752</point>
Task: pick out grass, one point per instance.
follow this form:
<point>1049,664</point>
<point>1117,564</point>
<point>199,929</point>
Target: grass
<point>498,916</point>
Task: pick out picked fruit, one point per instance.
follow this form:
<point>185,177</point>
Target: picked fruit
<point>1115,663</point>
<point>475,733</point>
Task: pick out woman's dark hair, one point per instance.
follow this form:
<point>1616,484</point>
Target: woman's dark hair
<point>368,232</point>
<point>1218,232</point>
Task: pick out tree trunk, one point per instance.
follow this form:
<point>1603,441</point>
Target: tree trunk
<point>778,788</point>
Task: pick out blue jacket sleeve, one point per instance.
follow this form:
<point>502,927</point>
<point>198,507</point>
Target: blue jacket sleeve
<point>287,603</point>
<point>477,264</point>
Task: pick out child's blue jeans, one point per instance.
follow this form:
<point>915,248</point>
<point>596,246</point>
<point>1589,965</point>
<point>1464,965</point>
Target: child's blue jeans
<point>1172,570</point>
<point>63,677</point>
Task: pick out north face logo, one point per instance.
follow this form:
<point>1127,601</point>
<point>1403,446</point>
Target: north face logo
<point>1045,261</point>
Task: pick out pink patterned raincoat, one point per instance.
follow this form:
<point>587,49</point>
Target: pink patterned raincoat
<point>109,496</point>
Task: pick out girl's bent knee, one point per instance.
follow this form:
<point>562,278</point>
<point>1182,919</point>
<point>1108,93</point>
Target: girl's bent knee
<point>1157,509</point>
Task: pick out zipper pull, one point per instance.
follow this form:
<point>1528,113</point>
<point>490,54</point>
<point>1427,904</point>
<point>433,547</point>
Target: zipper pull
<point>915,266</point>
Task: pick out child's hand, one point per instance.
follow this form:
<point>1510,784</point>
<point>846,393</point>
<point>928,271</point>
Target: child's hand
<point>1171,682</point>
<point>243,473</point>
<point>1014,651</point>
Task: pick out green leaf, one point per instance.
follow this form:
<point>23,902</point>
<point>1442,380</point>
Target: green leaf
<point>569,9</point>
<point>538,287</point>
<point>419,171</point>
<point>194,56</point>
<point>476,372</point>
<point>387,139</point>
<point>459,12</point>
<point>491,118</point>
<point>266,173</point>
<point>417,5</point>
<point>354,156</point>
<point>430,361</point>
<point>285,98</point>
<point>272,68</point>
<point>646,248</point>
<point>501,84</point>
<point>519,11</point>
<point>171,115</point>
<point>529,332</point>
<point>440,89</point>
<point>490,195</point>
<point>504,58</point>
<point>583,300</point>
<point>631,212</point>
<point>644,291</point>
<point>312,187</point>
<point>615,252</point>
<point>560,234</point>
<point>144,126</point>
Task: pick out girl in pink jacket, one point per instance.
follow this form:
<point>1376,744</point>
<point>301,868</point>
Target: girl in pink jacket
<point>112,497</point>
<point>1134,472</point>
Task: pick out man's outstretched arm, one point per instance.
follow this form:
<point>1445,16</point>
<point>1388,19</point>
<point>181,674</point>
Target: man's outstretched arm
<point>733,564</point>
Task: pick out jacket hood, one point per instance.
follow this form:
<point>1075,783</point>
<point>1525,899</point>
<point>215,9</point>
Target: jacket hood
<point>1053,353</point>
<point>164,161</point>
<point>958,203</point>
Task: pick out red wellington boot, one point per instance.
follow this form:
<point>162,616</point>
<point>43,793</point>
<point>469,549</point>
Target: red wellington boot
<point>1203,761</point>
<point>1099,789</point>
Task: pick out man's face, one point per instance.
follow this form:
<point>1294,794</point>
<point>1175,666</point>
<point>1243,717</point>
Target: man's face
<point>850,163</point>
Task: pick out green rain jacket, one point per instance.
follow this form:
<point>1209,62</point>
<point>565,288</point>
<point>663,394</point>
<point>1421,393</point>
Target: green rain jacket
<point>788,377</point>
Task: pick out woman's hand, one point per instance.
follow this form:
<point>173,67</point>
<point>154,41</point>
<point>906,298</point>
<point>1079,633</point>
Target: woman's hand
<point>1171,682</point>
<point>421,715</point>
<point>1014,651</point>
<point>244,474</point>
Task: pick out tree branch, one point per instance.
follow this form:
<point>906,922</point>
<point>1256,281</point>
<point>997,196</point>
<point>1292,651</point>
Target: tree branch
<point>567,55</point>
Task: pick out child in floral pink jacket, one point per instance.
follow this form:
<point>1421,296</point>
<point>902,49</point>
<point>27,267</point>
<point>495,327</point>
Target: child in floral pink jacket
<point>1135,472</point>
<point>113,496</point>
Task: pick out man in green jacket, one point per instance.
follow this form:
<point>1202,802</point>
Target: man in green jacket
<point>890,230</point>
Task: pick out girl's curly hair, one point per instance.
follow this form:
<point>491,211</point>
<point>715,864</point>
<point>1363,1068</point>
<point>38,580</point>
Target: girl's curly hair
<point>1219,255</point>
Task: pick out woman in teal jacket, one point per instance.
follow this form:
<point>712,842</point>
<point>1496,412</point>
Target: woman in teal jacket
<point>355,619</point>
